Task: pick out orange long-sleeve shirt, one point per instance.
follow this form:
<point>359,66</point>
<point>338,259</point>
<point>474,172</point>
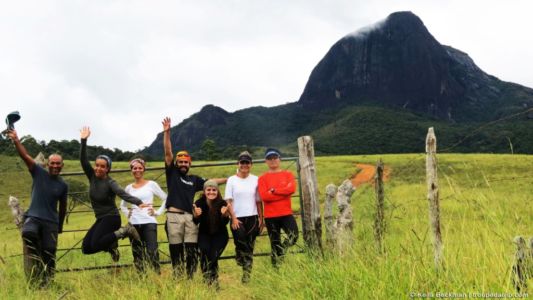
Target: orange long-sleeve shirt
<point>275,190</point>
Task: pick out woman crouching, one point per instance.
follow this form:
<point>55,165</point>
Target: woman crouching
<point>211,212</point>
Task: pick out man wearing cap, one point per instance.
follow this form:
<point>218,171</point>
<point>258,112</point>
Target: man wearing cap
<point>182,233</point>
<point>275,189</point>
<point>42,223</point>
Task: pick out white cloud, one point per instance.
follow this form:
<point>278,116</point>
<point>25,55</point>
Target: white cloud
<point>121,66</point>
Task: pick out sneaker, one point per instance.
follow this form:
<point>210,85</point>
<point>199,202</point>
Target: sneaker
<point>128,231</point>
<point>245,277</point>
<point>115,254</point>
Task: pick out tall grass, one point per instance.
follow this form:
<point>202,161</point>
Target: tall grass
<point>485,202</point>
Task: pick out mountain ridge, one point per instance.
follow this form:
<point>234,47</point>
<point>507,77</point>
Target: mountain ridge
<point>395,68</point>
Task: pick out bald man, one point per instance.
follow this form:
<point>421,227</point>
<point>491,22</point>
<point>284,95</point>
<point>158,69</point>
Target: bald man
<point>42,222</point>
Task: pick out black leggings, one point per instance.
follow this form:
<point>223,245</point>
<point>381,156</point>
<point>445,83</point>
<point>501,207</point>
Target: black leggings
<point>274,227</point>
<point>101,236</point>
<point>211,248</point>
<point>145,251</point>
<point>244,240</point>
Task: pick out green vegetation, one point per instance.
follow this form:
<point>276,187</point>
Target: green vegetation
<point>68,149</point>
<point>347,129</point>
<point>213,134</point>
<point>485,202</point>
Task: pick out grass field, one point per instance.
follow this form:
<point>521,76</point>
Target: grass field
<point>485,202</point>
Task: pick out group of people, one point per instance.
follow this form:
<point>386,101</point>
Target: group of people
<point>195,229</point>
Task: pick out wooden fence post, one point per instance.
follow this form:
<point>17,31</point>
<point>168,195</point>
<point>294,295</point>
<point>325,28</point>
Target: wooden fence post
<point>344,195</point>
<point>18,216</point>
<point>311,223</point>
<point>40,160</point>
<point>433,196</point>
<point>519,267</point>
<point>331,190</point>
<point>344,224</point>
<point>379,219</point>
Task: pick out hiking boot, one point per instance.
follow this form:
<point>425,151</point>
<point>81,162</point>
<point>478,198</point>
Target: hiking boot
<point>128,231</point>
<point>115,254</point>
<point>245,277</point>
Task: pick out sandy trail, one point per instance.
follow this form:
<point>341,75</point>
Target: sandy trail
<point>367,174</point>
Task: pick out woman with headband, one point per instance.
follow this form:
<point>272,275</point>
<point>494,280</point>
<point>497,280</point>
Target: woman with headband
<point>105,232</point>
<point>145,251</point>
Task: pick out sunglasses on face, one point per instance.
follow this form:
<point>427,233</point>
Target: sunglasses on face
<point>245,162</point>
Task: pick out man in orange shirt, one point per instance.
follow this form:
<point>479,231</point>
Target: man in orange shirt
<point>275,189</point>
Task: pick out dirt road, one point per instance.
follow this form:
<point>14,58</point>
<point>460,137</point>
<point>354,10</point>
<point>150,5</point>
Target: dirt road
<point>367,174</point>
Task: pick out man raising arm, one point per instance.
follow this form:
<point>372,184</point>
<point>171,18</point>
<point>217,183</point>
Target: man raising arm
<point>42,223</point>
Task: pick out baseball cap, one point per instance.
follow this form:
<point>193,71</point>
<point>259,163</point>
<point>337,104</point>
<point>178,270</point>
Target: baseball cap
<point>245,156</point>
<point>210,183</point>
<point>272,151</point>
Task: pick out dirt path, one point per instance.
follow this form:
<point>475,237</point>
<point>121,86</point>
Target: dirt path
<point>367,174</point>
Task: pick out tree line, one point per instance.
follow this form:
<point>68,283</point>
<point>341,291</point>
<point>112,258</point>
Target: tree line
<point>70,149</point>
<point>67,149</point>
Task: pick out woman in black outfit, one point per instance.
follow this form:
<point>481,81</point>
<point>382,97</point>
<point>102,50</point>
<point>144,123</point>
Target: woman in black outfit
<point>106,231</point>
<point>211,212</point>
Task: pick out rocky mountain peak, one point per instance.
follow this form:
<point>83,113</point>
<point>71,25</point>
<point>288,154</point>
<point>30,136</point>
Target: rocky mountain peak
<point>397,62</point>
<point>393,77</point>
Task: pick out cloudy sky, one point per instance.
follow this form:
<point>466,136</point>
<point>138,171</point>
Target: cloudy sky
<point>121,66</point>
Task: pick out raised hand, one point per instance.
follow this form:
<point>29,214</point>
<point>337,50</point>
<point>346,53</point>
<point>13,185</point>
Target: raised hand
<point>12,134</point>
<point>85,132</point>
<point>196,211</point>
<point>166,124</point>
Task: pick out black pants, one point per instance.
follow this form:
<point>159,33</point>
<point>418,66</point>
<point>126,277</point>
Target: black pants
<point>244,240</point>
<point>41,240</point>
<point>101,236</point>
<point>183,256</point>
<point>274,227</point>
<point>145,251</point>
<point>211,248</point>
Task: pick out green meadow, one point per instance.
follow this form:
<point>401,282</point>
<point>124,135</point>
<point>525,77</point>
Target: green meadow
<point>485,202</point>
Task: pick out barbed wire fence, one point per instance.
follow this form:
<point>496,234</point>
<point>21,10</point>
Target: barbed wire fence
<point>79,204</point>
<point>415,165</point>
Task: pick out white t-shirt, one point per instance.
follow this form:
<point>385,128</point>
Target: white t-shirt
<point>146,194</point>
<point>244,193</point>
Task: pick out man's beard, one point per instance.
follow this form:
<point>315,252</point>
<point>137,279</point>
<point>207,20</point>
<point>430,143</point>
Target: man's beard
<point>183,172</point>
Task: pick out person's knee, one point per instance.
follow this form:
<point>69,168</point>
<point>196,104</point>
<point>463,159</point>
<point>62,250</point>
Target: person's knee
<point>88,248</point>
<point>85,250</point>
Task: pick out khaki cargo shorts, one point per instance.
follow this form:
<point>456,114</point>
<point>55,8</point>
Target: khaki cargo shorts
<point>181,228</point>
